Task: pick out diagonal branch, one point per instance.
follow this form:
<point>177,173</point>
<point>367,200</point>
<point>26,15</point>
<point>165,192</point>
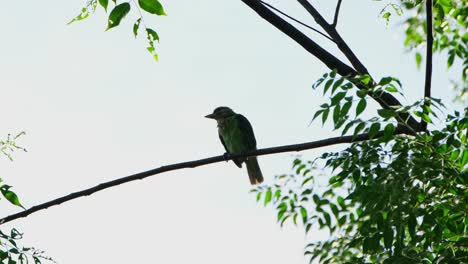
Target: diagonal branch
<point>337,11</point>
<point>386,100</point>
<point>430,40</point>
<point>308,44</point>
<point>331,30</point>
<point>189,164</point>
<point>296,20</point>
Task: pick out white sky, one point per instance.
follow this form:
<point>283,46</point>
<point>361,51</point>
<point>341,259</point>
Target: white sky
<point>96,107</point>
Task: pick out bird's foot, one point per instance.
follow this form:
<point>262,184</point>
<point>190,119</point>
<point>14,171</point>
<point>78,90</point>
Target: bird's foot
<point>226,156</point>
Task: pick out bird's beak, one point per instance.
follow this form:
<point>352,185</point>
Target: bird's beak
<point>212,116</point>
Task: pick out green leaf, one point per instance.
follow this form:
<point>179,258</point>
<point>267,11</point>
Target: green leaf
<point>389,130</point>
<point>327,86</point>
<point>347,127</point>
<point>361,106</point>
<point>464,158</point>
<point>337,98</point>
<point>317,114</point>
<point>337,84</point>
<point>388,238</point>
<point>385,81</point>
<point>104,4</point>
<point>386,113</point>
<point>267,197</point>
<point>304,215</point>
<point>117,14</point>
<point>426,118</point>
<point>359,128</point>
<point>365,79</point>
<point>325,115</point>
<point>11,196</point>
<point>345,108</point>
<point>152,35</point>
<point>336,114</point>
<point>136,26</point>
<point>152,6</point>
<point>374,129</point>
<point>418,58</point>
<point>450,59</point>
<point>391,88</point>
<point>361,93</point>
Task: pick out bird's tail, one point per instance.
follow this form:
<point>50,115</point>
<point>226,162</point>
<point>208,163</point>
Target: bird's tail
<point>253,169</point>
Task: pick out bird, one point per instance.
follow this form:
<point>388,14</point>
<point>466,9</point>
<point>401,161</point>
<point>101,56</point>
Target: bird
<point>237,136</point>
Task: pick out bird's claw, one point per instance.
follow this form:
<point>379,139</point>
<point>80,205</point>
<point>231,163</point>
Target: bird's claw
<point>226,156</point>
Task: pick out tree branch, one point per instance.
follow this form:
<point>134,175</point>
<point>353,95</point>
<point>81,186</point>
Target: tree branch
<point>312,47</point>
<point>296,20</point>
<point>337,11</point>
<point>331,30</point>
<point>386,100</point>
<point>430,40</point>
<point>189,164</point>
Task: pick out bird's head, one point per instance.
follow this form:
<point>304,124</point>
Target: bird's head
<point>220,113</point>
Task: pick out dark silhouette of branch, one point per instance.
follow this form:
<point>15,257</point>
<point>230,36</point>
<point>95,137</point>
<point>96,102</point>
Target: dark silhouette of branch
<point>308,44</point>
<point>430,40</point>
<point>190,164</point>
<point>298,21</point>
<point>337,12</point>
<point>386,100</point>
<point>331,30</point>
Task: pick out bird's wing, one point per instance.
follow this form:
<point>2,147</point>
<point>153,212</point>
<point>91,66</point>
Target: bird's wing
<point>247,132</point>
<point>237,162</point>
<point>224,144</point>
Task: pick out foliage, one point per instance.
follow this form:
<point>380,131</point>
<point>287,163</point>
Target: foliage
<point>10,251</point>
<point>121,10</point>
<point>395,198</point>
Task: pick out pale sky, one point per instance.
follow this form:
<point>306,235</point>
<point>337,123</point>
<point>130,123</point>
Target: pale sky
<point>96,107</point>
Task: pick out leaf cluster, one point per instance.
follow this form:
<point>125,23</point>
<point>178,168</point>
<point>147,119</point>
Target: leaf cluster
<point>120,10</point>
<point>404,201</point>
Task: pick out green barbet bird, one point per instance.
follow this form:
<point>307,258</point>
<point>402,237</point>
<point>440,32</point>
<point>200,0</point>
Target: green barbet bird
<point>237,136</point>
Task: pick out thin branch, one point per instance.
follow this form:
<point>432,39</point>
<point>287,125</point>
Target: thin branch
<point>337,11</point>
<point>296,20</point>
<point>189,164</point>
<point>331,30</point>
<point>308,44</point>
<point>386,100</point>
<point>430,40</point>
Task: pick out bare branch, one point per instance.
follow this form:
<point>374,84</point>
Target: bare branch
<point>298,21</point>
<point>386,100</point>
<point>308,44</point>
<point>189,164</point>
<point>330,29</point>
<point>337,12</point>
<point>430,40</point>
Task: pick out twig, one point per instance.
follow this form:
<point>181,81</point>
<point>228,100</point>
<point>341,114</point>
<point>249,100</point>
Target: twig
<point>427,83</point>
<point>189,164</point>
<point>298,21</point>
<point>337,11</point>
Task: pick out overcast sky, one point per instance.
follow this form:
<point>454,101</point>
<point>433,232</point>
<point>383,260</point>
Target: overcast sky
<point>96,107</point>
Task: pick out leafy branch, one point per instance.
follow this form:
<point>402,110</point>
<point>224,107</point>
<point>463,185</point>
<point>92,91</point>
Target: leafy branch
<point>120,11</point>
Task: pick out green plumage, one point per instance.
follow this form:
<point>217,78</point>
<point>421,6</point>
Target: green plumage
<point>236,135</point>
